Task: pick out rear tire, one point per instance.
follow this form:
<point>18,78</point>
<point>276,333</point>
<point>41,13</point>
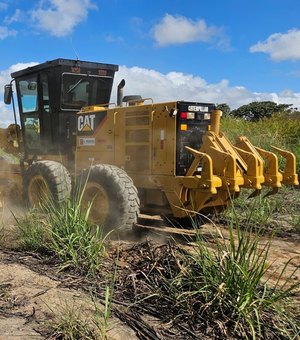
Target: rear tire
<point>112,195</point>
<point>46,180</point>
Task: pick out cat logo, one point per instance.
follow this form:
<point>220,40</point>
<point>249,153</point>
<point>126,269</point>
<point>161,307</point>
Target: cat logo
<point>86,123</point>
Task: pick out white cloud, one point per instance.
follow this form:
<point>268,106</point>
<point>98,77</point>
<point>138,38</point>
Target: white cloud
<point>169,87</point>
<point>14,18</point>
<point>179,86</point>
<point>59,17</point>
<point>6,112</point>
<point>180,30</point>
<point>6,115</point>
<point>280,46</point>
<point>5,32</point>
<point>5,77</point>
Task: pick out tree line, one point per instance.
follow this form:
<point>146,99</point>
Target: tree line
<point>257,110</point>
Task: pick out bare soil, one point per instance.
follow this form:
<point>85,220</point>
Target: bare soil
<point>32,296</point>
<point>33,293</point>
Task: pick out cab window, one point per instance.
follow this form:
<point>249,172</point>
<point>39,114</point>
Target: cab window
<point>29,96</point>
<point>80,90</point>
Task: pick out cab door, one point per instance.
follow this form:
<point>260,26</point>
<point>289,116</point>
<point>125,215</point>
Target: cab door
<point>27,88</point>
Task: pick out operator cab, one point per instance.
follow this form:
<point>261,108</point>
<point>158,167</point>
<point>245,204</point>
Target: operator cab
<point>49,96</point>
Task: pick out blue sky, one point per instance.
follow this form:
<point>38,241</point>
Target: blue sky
<point>217,51</point>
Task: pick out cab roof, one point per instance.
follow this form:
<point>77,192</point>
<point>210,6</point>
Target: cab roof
<point>64,62</point>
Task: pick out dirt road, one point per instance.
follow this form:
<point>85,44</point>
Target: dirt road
<point>33,294</point>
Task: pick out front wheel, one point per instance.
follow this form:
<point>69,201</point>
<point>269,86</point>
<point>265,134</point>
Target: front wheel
<point>110,195</point>
<point>46,181</point>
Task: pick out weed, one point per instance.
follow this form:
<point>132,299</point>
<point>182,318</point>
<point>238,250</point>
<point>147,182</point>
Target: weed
<point>231,284</point>
<point>85,321</point>
<point>65,231</point>
<point>32,232</point>
<point>102,317</point>
<point>69,324</point>
<point>223,287</point>
<point>75,241</point>
<point>256,212</point>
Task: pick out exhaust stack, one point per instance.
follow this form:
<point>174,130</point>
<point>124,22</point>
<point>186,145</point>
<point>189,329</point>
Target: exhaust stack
<point>120,92</point>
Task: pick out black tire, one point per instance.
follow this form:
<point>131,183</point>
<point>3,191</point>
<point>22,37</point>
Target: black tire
<point>112,195</point>
<point>46,180</point>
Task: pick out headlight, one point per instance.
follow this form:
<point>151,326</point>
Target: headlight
<point>190,115</point>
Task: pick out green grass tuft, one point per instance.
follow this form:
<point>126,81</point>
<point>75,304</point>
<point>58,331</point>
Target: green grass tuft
<point>223,288</point>
<point>76,242</point>
<point>231,283</point>
<point>32,232</point>
<point>69,324</point>
<point>64,231</point>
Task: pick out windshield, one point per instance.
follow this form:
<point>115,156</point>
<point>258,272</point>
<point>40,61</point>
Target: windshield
<point>80,90</point>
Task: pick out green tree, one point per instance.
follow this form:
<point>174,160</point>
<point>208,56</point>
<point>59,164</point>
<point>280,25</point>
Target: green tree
<point>257,110</point>
<point>225,108</point>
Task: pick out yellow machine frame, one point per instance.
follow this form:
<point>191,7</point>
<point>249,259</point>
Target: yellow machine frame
<point>141,139</point>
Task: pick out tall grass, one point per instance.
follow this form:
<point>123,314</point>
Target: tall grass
<point>232,284</point>
<point>66,232</point>
<point>33,232</point>
<point>281,130</point>
<point>223,288</point>
<point>74,240</point>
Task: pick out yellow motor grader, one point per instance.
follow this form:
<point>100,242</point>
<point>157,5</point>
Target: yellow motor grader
<point>135,155</point>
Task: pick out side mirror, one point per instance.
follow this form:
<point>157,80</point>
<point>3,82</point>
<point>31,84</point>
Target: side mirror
<point>8,93</point>
<point>31,86</point>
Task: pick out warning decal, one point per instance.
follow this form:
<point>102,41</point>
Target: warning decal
<point>87,141</point>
